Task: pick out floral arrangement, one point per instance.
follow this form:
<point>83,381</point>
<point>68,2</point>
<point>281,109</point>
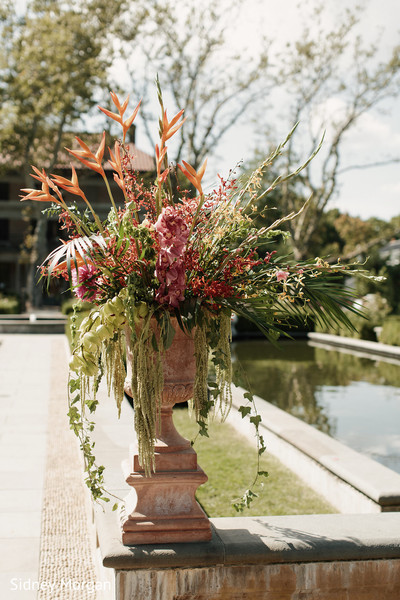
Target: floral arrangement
<point>165,252</point>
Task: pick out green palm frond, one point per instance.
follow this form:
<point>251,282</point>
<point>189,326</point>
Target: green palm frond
<point>326,302</point>
<point>258,311</point>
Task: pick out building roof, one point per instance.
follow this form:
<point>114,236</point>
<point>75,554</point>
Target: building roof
<point>141,162</point>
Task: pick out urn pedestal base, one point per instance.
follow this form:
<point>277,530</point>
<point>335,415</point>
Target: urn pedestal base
<point>163,508</point>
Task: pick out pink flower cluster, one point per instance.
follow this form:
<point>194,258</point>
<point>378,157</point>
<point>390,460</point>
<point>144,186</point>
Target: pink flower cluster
<point>173,234</point>
<point>84,273</point>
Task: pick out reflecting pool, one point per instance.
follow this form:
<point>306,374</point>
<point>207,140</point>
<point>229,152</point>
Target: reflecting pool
<point>353,399</point>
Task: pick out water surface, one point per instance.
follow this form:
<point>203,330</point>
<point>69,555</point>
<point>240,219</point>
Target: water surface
<point>353,399</point>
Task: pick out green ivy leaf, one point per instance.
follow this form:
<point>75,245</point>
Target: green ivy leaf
<point>212,384</point>
<point>92,405</point>
<point>256,420</point>
<point>203,430</point>
<point>244,410</point>
<point>263,473</point>
<point>75,399</point>
<point>74,385</point>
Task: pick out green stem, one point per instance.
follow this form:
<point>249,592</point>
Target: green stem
<point>81,229</point>
<point>96,218</point>
<point>158,200</point>
<point>111,197</point>
<point>201,202</point>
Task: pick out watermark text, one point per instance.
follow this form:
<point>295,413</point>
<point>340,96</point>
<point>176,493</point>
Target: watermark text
<point>19,584</point>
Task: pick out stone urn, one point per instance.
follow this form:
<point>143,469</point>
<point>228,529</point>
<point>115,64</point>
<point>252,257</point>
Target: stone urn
<point>162,508</point>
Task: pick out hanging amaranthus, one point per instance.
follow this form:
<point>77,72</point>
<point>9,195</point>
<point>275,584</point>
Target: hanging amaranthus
<point>223,366</point>
<point>146,385</point>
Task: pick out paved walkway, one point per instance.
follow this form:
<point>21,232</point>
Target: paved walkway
<point>45,545</point>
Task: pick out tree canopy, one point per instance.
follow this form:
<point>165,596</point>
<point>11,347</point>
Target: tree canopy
<point>53,65</point>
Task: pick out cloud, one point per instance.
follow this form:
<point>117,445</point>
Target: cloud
<point>374,130</point>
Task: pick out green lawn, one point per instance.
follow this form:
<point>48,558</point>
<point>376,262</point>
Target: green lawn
<point>230,462</point>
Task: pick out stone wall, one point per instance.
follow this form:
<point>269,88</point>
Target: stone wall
<point>313,557</point>
<point>363,580</point>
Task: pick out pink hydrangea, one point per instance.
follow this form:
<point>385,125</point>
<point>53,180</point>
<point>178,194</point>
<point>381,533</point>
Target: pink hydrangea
<point>79,277</point>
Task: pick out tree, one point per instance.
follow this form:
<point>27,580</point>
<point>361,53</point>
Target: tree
<point>361,237</point>
<point>331,79</point>
<point>186,45</point>
<point>52,66</point>
<point>365,240</point>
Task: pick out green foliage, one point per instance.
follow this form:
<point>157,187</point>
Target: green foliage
<point>72,304</point>
<point>57,48</point>
<point>362,329</point>
<point>389,288</point>
<point>82,427</point>
<point>250,410</point>
<point>390,333</point>
<point>9,305</point>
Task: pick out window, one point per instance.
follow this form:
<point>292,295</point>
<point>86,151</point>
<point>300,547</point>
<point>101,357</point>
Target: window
<point>4,190</point>
<point>4,230</point>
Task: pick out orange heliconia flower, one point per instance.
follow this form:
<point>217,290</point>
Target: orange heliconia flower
<point>69,185</point>
<point>86,156</point>
<point>160,155</point>
<point>120,116</point>
<point>168,128</point>
<point>194,176</point>
<point>44,194</point>
<point>116,164</point>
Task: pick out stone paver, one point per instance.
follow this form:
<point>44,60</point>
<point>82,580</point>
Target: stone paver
<point>44,535</point>
<point>24,397</point>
